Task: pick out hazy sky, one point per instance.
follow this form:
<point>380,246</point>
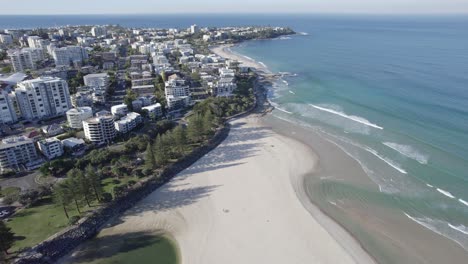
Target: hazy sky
<point>230,6</point>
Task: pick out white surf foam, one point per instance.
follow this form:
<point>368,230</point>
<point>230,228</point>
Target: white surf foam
<point>463,202</point>
<point>460,228</point>
<point>408,151</point>
<point>283,110</point>
<point>455,233</point>
<point>303,33</point>
<point>285,82</point>
<point>291,92</point>
<point>428,185</point>
<point>446,193</point>
<point>386,160</point>
<point>350,117</point>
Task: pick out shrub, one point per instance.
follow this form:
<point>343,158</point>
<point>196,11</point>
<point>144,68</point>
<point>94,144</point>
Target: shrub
<point>10,198</point>
<point>131,183</point>
<point>29,197</point>
<point>106,197</point>
<point>73,220</point>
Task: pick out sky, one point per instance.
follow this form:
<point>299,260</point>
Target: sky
<point>229,6</point>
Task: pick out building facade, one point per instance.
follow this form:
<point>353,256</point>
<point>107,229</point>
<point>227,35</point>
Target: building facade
<point>51,148</point>
<point>69,55</point>
<point>8,112</point>
<point>76,116</point>
<point>128,122</point>
<point>16,153</point>
<point>25,59</point>
<point>42,98</point>
<point>100,129</point>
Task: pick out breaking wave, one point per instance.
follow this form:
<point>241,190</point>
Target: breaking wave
<point>408,151</point>
<point>350,117</point>
<point>446,193</point>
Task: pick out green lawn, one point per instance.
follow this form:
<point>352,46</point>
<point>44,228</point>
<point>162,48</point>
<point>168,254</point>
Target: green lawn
<point>9,190</point>
<point>136,247</point>
<point>108,184</point>
<point>35,224</point>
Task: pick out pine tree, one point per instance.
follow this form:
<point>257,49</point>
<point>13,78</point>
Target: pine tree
<point>195,128</point>
<point>62,196</point>
<point>208,119</point>
<point>6,237</point>
<point>180,138</point>
<point>161,151</point>
<point>94,181</point>
<point>150,160</point>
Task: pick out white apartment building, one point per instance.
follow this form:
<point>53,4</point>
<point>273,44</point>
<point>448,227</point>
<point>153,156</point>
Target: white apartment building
<point>16,153</point>
<point>100,129</point>
<point>70,54</point>
<point>25,58</point>
<point>6,39</point>
<point>98,31</point>
<point>51,148</point>
<point>128,122</point>
<point>8,113</point>
<point>43,97</point>
<point>81,99</point>
<point>224,87</point>
<point>76,116</point>
<point>194,29</point>
<point>177,93</point>
<point>119,110</point>
<point>34,41</point>
<point>154,110</point>
<point>98,81</point>
<point>176,87</point>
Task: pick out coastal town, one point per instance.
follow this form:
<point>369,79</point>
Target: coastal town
<point>89,112</point>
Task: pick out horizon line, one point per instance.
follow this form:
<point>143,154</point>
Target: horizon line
<point>251,13</point>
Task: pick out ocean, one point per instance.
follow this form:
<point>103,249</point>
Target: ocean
<point>392,92</point>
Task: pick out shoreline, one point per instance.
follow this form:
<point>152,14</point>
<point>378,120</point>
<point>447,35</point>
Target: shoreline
<point>384,233</point>
<point>352,245</point>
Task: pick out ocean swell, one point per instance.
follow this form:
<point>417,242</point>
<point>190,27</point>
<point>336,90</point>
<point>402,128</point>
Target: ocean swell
<point>350,117</point>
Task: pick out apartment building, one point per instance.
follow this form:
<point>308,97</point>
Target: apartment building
<point>76,116</point>
<point>42,98</point>
<point>16,153</point>
<point>100,129</point>
<point>51,148</point>
<point>69,55</point>
<point>26,58</point>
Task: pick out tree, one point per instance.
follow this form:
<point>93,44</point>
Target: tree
<point>208,122</point>
<point>195,128</point>
<point>129,98</point>
<point>62,196</point>
<point>94,181</point>
<point>82,185</point>
<point>150,160</point>
<point>161,151</point>
<point>6,237</point>
<point>180,138</point>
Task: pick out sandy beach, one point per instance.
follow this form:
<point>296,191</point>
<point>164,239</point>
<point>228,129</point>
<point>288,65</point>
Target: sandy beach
<point>226,52</point>
<point>242,203</point>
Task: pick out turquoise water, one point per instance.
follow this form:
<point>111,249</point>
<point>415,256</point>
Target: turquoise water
<point>393,93</point>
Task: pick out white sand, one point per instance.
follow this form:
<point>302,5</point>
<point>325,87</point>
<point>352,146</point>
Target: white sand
<point>226,52</point>
<point>238,204</point>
